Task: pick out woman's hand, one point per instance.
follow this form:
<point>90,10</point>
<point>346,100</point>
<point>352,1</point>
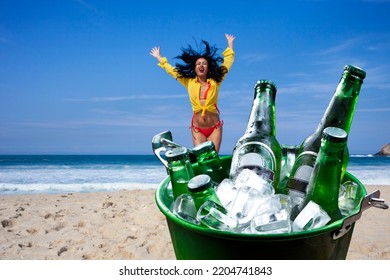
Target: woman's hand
<point>155,52</point>
<point>230,38</point>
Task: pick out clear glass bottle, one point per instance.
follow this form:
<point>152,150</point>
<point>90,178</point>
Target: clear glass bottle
<point>209,161</point>
<point>201,189</point>
<point>180,170</point>
<point>324,184</point>
<point>339,113</point>
<point>258,148</point>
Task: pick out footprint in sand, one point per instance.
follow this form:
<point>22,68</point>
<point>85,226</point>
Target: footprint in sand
<point>62,250</point>
<point>6,223</point>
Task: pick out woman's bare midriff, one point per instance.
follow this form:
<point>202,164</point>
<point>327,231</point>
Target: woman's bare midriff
<point>208,120</point>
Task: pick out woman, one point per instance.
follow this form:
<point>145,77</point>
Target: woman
<point>202,75</point>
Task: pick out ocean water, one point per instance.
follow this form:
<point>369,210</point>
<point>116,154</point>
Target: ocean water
<point>79,173</point>
<point>87,173</point>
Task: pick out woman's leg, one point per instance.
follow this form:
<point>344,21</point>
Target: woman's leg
<point>197,137</point>
<point>216,137</point>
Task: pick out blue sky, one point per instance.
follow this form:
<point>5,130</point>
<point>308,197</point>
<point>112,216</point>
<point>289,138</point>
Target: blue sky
<point>76,76</point>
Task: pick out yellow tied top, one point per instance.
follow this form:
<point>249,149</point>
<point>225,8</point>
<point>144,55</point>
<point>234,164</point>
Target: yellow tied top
<point>193,86</point>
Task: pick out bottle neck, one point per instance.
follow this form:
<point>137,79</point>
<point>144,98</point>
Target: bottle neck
<point>203,196</point>
<point>208,155</point>
<point>179,164</point>
<point>339,112</point>
<point>262,117</point>
<point>341,108</point>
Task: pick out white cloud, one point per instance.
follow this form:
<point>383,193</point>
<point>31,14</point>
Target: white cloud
<point>373,110</point>
<point>305,88</point>
<point>341,46</point>
<point>122,98</point>
<point>253,58</point>
<point>377,1</point>
<point>7,41</point>
<point>129,121</point>
<point>377,77</point>
<point>88,6</point>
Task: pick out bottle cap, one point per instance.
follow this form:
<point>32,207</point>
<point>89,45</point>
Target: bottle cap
<point>203,147</point>
<point>334,134</point>
<point>176,154</point>
<point>199,183</point>
<point>262,84</point>
<point>355,71</point>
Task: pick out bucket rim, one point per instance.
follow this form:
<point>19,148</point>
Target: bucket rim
<point>236,235</point>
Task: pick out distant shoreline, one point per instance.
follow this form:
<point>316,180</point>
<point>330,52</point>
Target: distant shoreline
<point>84,173</point>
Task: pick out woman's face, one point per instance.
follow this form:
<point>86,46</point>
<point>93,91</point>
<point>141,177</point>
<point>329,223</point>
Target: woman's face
<point>201,67</point>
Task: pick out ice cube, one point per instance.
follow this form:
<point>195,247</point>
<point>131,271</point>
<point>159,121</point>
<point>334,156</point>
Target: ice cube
<point>297,198</point>
<point>273,215</point>
<point>226,192</point>
<point>248,177</point>
<point>247,229</point>
<point>350,199</point>
<point>312,216</point>
<point>215,216</point>
<point>184,207</point>
<point>245,204</point>
<point>275,203</point>
<point>272,222</point>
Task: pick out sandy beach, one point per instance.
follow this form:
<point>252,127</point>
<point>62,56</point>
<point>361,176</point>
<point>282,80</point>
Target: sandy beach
<point>128,225</point>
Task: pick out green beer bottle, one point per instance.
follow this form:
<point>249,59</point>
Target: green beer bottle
<point>289,154</point>
<point>201,189</point>
<point>209,161</point>
<point>179,169</point>
<point>324,184</point>
<point>339,113</point>
<point>258,149</point>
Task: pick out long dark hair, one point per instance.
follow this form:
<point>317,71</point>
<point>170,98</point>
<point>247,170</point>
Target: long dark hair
<point>189,57</point>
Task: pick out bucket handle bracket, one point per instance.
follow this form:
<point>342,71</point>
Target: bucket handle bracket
<point>370,200</point>
<point>160,143</point>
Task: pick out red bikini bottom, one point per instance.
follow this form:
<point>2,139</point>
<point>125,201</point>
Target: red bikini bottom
<point>206,131</point>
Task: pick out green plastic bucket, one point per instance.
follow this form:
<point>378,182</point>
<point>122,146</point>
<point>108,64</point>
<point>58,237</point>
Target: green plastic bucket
<point>193,242</point>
